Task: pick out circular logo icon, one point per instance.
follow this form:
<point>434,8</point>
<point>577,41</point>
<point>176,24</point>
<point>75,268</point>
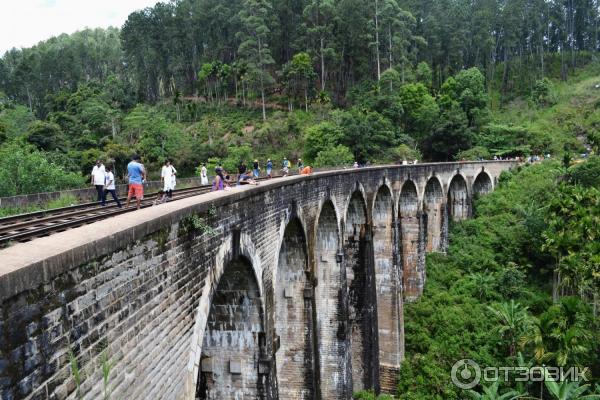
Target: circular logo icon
<point>466,374</point>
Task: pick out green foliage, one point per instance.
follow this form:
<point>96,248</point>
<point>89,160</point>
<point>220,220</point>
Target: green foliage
<point>474,154</point>
<point>370,395</point>
<point>492,288</point>
<point>25,170</point>
<point>339,155</point>
<point>421,109</point>
<point>565,390</point>
<point>320,138</point>
<point>586,174</point>
<point>45,136</point>
<point>543,93</point>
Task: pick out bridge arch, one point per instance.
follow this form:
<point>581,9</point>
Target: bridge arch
<point>234,247</point>
<point>433,207</point>
<point>483,183</point>
<point>387,284</point>
<point>293,316</point>
<point>408,211</point>
<point>233,339</point>
<point>334,364</point>
<point>459,199</point>
<point>362,314</point>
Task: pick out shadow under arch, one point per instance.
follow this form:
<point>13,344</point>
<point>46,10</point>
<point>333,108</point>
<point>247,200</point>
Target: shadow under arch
<point>389,298</point>
<point>483,184</point>
<point>293,312</point>
<point>433,207</point>
<point>330,307</point>
<point>362,297</point>
<point>233,339</point>
<point>458,204</point>
<point>408,210</point>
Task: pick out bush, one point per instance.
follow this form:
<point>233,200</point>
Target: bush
<point>587,173</point>
<point>336,156</point>
<point>543,93</point>
<point>475,153</point>
<point>25,170</point>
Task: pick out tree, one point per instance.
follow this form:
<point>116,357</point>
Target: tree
<point>321,137</point>
<point>450,135</point>
<point>253,48</point>
<point>45,136</point>
<point>299,76</point>
<point>420,109</point>
<point>337,156</point>
<point>24,170</point>
<point>318,15</point>
<point>513,320</point>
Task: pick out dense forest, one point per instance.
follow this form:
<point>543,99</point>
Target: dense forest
<point>330,81</point>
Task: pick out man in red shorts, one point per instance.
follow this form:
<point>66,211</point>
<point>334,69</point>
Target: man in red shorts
<point>137,177</point>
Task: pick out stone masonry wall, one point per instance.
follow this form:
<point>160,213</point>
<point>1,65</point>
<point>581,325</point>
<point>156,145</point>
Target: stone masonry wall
<point>132,294</point>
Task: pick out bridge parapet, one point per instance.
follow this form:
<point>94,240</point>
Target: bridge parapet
<point>145,289</point>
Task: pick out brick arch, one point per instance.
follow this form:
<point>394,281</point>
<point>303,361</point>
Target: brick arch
<point>233,247</point>
<point>386,285</point>
<point>433,207</point>
<point>293,316</point>
<point>459,198</point>
<point>483,183</point>
<point>362,315</point>
<point>330,308</point>
<point>233,337</point>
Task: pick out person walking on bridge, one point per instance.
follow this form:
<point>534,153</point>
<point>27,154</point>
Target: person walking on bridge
<point>110,187</point>
<point>285,166</point>
<point>203,175</point>
<point>269,168</point>
<point>167,176</point>
<point>137,176</point>
<point>98,177</point>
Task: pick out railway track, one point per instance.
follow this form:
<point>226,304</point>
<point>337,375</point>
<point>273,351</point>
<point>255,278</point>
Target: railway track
<point>26,227</point>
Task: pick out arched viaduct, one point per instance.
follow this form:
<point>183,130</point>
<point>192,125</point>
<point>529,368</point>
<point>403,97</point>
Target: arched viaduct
<point>292,289</point>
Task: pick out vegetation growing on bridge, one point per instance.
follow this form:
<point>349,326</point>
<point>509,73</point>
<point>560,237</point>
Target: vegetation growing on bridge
<point>490,298</point>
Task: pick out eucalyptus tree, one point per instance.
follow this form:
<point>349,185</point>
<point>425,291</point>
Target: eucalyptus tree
<point>254,49</point>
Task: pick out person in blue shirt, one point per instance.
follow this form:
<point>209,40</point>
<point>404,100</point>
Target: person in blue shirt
<point>137,176</point>
<point>269,167</point>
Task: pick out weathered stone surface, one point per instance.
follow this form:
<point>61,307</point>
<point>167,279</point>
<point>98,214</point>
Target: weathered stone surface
<point>295,291</point>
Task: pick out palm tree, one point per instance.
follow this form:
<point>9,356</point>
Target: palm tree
<point>491,393</point>
<point>559,334</point>
<point>564,390</point>
<point>512,318</point>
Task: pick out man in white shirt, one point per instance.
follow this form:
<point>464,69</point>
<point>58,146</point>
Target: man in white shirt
<point>167,176</point>
<point>98,177</point>
<point>110,186</point>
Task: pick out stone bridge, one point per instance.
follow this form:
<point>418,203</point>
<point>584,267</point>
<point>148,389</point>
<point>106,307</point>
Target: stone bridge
<point>292,289</point>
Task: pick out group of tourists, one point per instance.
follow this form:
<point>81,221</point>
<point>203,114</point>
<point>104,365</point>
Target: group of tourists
<point>103,178</point>
<point>248,176</point>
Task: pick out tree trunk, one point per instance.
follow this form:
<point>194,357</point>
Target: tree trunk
<point>322,46</point>
<point>113,126</point>
<point>306,97</point>
<point>377,39</point>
